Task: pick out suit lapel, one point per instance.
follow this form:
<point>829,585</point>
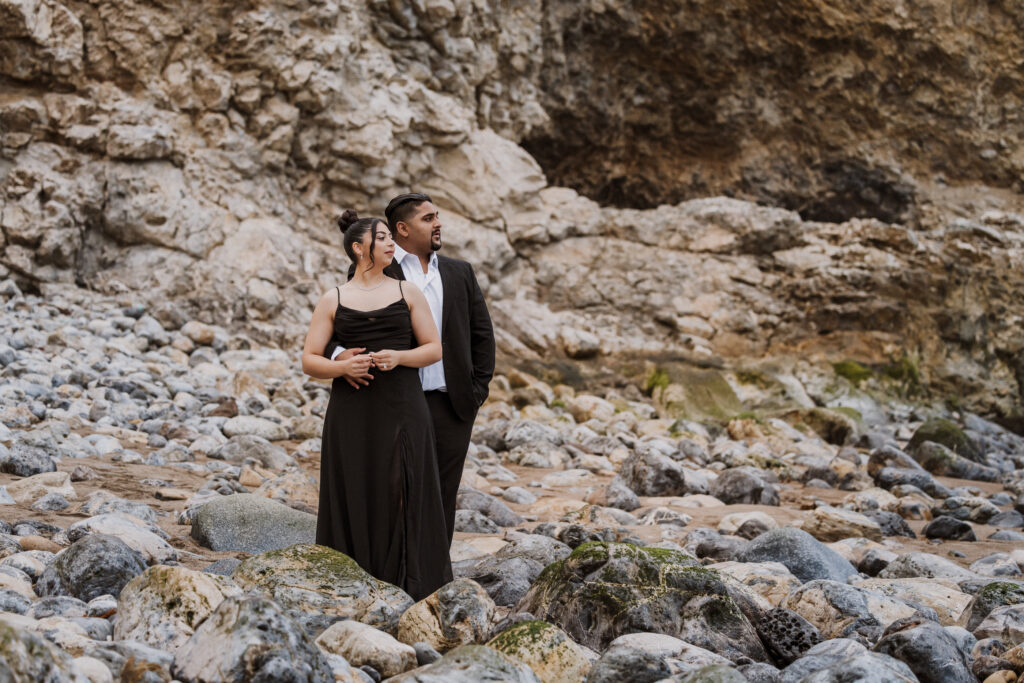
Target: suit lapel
<point>447,289</point>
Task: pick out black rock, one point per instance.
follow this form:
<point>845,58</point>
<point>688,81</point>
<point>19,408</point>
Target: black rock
<point>371,672</point>
<point>949,528</point>
<point>708,543</point>
<point>891,524</point>
<point>95,565</point>
<point>786,634</point>
<point>928,649</point>
<point>872,562</point>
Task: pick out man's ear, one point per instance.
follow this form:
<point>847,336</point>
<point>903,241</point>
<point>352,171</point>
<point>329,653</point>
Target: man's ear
<point>401,229</point>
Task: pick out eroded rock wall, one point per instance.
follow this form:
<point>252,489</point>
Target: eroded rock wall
<point>193,155</point>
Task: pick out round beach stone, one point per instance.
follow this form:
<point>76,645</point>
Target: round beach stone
<point>92,566</point>
<point>251,524</point>
<point>363,645</point>
<point>928,649</point>
<point>804,555</point>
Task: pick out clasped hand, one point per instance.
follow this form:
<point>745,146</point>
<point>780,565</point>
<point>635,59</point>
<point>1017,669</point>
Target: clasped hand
<point>356,364</point>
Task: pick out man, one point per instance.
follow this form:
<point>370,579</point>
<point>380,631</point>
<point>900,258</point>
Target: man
<point>457,385</point>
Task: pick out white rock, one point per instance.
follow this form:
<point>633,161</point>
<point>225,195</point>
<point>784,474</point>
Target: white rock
<point>360,644</point>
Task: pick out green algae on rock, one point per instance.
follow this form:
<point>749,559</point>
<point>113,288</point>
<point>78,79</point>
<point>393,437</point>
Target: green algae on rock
<point>991,596</point>
<point>27,656</point>
<point>604,590</point>
<point>546,649</point>
<point>945,432</point>
<point>470,664</point>
<point>310,578</point>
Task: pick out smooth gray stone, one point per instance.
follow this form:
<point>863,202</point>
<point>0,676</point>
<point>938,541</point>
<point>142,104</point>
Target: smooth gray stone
<point>252,524</point>
<point>94,565</point>
<point>805,556</point>
<point>223,567</point>
<point>474,522</point>
<point>506,579</point>
<point>495,510</point>
<point>470,664</point>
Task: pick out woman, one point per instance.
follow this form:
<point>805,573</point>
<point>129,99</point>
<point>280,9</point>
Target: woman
<point>380,498</point>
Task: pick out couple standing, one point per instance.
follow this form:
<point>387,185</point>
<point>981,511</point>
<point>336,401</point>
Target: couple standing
<point>409,344</point>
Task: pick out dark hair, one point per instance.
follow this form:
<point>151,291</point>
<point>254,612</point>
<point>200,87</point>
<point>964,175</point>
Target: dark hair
<point>354,228</point>
<point>402,207</point>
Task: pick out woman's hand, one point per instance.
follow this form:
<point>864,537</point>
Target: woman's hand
<point>386,359</point>
<point>356,369</point>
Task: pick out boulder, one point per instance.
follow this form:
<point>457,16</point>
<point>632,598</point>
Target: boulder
<point>491,507</point>
<point>249,638</point>
<point>786,634</point>
<point>800,552</point>
<point>1005,623</point>
<point>949,528</point>
<point>645,657</point>
<point>238,448</point>
<point>251,524</point>
<point>948,434</point>
<point>928,649</point>
<point>25,461</point>
<point>92,566</point>
<point>27,656</point>
<point>314,580</point>
<point>470,664</point>
<point>941,595</point>
<point>942,461</point>
<point>458,613</point>
<point>549,652</point>
<point>771,580</point>
<point>250,425</point>
<point>604,590</point>
<point>32,488</point>
<point>146,539</point>
<point>991,596</point>
<point>164,605</point>
<point>649,472</point>
<point>829,524</point>
<point>840,610</point>
<point>506,579</point>
<point>744,485</point>
<point>363,645</point>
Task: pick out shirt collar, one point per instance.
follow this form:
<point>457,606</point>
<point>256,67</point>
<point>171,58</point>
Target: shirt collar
<point>401,254</point>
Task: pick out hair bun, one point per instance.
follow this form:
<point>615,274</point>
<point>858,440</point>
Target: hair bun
<point>347,218</point>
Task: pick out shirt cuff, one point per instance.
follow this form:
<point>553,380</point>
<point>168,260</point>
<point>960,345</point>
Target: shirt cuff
<point>337,352</point>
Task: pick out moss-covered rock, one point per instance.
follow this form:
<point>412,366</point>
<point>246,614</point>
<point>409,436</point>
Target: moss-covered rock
<point>993,595</point>
<point>949,435</point>
<point>939,459</point>
<point>546,649</point>
<point>470,664</point>
<point>314,580</point>
<point>693,394</point>
<point>852,371</point>
<point>604,590</point>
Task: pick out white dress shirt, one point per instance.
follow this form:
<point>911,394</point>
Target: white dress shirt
<point>432,376</point>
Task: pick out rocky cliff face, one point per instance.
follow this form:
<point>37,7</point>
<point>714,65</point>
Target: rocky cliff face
<point>194,154</point>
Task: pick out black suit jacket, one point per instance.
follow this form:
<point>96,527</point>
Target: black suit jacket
<point>467,336</point>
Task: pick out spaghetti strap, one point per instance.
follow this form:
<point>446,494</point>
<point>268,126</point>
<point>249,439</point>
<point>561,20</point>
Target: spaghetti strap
<point>338,290</point>
<point>400,291</point>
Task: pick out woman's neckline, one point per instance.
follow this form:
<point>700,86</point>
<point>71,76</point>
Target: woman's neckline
<point>372,310</point>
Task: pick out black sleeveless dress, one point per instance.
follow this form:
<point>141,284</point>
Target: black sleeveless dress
<point>380,496</point>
